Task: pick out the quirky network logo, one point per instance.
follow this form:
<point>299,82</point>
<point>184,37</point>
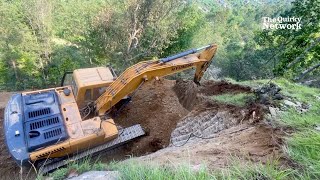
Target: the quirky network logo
<point>281,23</point>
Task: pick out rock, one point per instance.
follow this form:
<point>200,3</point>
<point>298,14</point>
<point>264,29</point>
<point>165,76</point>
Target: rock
<point>278,96</point>
<point>73,173</point>
<point>317,128</point>
<point>289,103</point>
<point>274,111</point>
<point>298,104</point>
<point>98,175</point>
<point>264,98</point>
<point>269,92</point>
<point>197,168</point>
<point>305,106</point>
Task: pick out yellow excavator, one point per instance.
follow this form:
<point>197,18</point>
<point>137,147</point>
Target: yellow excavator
<point>52,127</point>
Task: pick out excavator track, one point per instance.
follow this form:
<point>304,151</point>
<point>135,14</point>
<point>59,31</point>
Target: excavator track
<point>125,136</point>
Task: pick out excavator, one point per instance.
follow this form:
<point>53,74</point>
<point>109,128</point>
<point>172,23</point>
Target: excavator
<point>51,127</point>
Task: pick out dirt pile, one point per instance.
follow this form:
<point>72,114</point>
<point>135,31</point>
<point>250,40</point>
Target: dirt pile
<point>209,117</point>
<point>242,144</point>
<point>213,133</point>
<point>156,107</point>
<point>178,111</point>
<point>187,93</point>
<point>4,98</point>
<point>210,88</point>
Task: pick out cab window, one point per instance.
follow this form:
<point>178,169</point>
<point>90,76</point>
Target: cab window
<point>87,95</point>
<point>97,92</point>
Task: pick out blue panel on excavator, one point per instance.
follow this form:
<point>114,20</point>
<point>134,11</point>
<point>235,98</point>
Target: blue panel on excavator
<point>43,123</point>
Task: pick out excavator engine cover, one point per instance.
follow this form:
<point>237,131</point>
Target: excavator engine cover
<point>32,121</point>
<point>42,120</point>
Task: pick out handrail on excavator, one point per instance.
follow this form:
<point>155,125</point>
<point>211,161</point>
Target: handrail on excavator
<point>184,53</point>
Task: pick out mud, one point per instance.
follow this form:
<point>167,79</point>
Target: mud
<point>210,88</point>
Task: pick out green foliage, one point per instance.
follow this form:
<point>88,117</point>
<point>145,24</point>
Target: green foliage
<point>79,167</point>
<point>239,99</point>
<point>304,144</point>
<point>270,170</point>
<point>189,19</point>
<point>39,40</point>
<point>303,147</point>
<point>293,51</point>
<point>123,39</point>
<point>136,170</point>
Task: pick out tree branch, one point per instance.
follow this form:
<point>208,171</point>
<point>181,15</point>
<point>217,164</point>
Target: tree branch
<point>304,73</point>
<point>298,59</point>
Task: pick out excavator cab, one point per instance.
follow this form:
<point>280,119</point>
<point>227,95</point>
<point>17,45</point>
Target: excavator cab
<point>89,83</point>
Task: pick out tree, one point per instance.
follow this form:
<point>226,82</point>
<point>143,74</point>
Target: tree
<point>144,30</point>
<point>294,51</point>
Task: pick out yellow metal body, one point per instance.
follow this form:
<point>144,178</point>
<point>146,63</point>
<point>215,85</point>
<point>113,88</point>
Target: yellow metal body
<point>91,83</point>
<point>99,84</point>
<point>132,77</point>
<point>83,134</point>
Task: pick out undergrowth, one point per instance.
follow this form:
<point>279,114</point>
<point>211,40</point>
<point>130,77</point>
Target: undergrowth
<point>302,146</point>
<point>134,170</point>
<point>239,99</point>
<point>77,167</point>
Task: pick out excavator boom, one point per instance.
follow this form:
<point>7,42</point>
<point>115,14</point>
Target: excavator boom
<point>135,75</point>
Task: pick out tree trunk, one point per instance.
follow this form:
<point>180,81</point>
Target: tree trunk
<point>304,73</point>
<point>15,69</point>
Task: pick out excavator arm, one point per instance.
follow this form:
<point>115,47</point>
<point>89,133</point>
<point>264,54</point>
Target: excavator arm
<point>135,75</point>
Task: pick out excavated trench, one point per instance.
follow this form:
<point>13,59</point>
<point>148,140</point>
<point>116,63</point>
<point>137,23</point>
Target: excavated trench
<point>170,111</point>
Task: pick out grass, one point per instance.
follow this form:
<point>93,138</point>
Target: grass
<point>239,99</point>
<point>79,167</point>
<point>134,170</point>
<point>303,147</point>
<point>270,170</point>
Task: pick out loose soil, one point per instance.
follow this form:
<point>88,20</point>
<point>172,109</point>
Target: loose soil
<point>241,144</point>
<point>213,133</point>
<point>171,111</point>
<point>156,107</point>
